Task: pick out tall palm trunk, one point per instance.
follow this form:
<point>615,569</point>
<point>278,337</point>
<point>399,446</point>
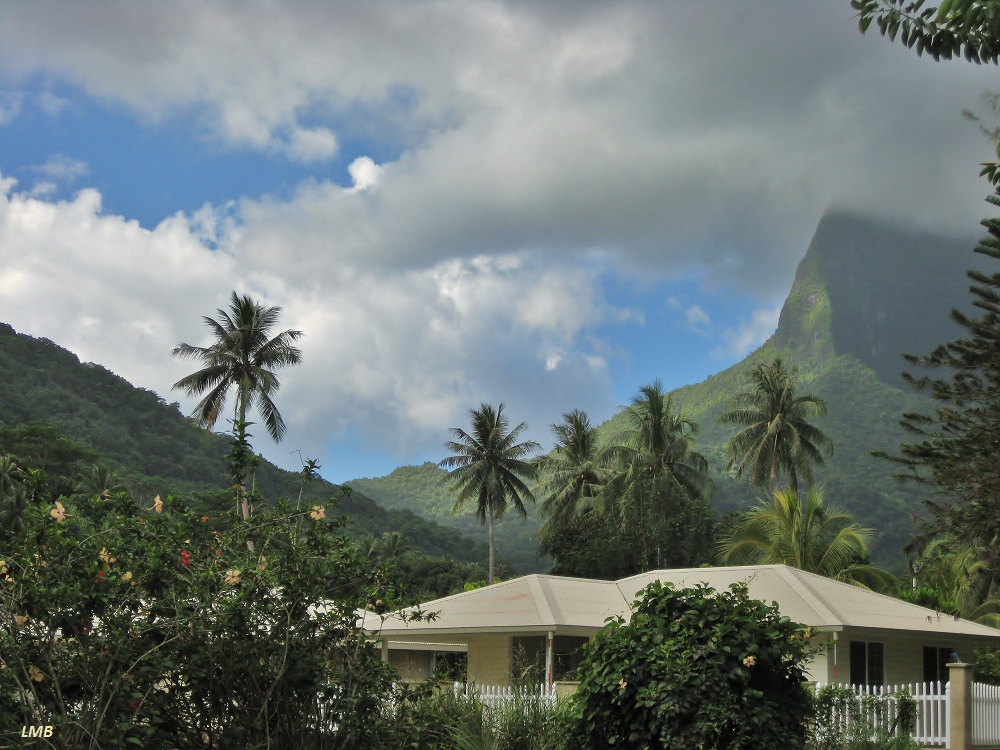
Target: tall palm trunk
<point>489,579</point>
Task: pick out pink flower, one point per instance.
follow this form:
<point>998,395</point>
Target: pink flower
<point>59,512</point>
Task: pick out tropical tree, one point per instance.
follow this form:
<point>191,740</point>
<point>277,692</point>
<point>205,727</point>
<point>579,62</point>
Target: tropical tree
<point>575,471</point>
<point>101,481</point>
<point>489,466</point>
<point>660,492</point>
<point>963,573</point>
<point>243,356</point>
<point>810,536</point>
<point>953,29</point>
<point>776,437</point>
<point>659,442</point>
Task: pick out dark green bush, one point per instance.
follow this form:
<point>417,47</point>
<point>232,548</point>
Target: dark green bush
<point>694,668</point>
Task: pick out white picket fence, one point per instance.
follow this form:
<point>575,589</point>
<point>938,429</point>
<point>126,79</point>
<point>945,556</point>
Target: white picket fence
<point>985,715</point>
<point>494,696</point>
<point>931,726</point>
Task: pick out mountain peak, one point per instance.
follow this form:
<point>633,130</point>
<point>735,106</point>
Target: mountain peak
<point>862,285</point>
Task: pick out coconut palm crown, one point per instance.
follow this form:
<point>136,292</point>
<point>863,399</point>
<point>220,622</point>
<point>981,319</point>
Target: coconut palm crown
<point>660,442</point>
<point>576,469</point>
<point>807,535</point>
<point>488,465</point>
<point>243,356</point>
<point>776,437</point>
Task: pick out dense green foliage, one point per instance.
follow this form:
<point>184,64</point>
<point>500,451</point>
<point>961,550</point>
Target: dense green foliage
<point>800,530</point>
<point>694,668</point>
<point>644,496</point>
<point>123,625</point>
<point>865,724</point>
<point>953,29</point>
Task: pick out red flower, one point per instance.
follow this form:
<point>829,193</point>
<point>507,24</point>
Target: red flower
<point>100,576</point>
<point>185,558</point>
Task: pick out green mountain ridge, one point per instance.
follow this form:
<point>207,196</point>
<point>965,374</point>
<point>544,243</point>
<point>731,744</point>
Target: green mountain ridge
<point>864,294</point>
<point>155,449</point>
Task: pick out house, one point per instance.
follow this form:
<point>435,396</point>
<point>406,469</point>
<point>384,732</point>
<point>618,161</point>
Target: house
<point>544,620</point>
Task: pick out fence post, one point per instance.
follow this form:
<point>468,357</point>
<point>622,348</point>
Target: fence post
<point>960,718</point>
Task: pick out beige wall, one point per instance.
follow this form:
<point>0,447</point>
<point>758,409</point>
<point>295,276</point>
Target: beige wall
<point>489,659</point>
<point>904,656</point>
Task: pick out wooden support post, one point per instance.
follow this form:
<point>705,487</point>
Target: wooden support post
<point>960,717</point>
<point>548,658</point>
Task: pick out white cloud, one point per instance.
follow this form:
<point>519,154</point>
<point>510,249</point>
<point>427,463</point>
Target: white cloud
<point>62,168</point>
<point>747,335</point>
<point>515,143</point>
<point>312,144</point>
<point>674,136</point>
<point>364,173</point>
<point>403,354</point>
<point>698,320</point>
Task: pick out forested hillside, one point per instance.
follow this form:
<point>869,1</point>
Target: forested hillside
<point>420,489</point>
<point>156,450</point>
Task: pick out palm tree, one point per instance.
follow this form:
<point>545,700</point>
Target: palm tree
<point>12,495</point>
<point>101,481</point>
<point>963,573</point>
<point>813,537</point>
<point>776,436</point>
<point>659,442</point>
<point>489,466</point>
<point>575,470</point>
<point>243,356</point>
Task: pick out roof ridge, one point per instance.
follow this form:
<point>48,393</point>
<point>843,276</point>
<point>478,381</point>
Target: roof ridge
<point>541,599</point>
<point>788,573</point>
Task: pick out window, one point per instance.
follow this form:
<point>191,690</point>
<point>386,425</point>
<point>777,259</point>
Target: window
<point>867,663</point>
<point>935,659</point>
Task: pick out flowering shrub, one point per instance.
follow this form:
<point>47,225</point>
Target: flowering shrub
<point>694,669</point>
<point>154,627</point>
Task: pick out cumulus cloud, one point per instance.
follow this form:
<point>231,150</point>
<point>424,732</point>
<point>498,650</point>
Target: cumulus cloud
<point>676,136</point>
<point>401,353</point>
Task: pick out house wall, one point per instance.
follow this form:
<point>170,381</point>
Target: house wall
<point>489,659</point>
<point>903,654</point>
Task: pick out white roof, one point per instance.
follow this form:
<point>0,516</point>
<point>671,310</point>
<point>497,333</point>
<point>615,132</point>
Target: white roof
<point>579,606</point>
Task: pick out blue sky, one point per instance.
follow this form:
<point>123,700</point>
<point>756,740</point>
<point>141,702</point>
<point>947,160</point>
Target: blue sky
<point>548,205</point>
